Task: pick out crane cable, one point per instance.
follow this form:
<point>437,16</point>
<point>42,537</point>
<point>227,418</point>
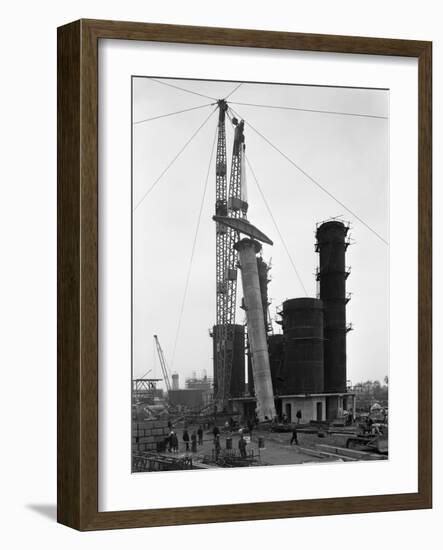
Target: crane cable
<point>268,208</point>
<point>171,114</point>
<point>180,88</point>
<point>311,179</point>
<point>364,115</point>
<point>194,243</point>
<point>233,91</point>
<point>174,159</point>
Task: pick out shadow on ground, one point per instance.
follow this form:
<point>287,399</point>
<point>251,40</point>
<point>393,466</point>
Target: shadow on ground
<point>48,511</point>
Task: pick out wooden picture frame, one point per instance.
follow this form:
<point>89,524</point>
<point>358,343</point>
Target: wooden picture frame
<point>77,459</point>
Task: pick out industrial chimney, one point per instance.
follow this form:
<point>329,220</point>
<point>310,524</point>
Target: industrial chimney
<point>332,274</point>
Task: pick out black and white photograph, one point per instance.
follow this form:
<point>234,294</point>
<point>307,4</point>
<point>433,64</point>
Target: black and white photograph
<point>220,284</point>
<point>260,274</point>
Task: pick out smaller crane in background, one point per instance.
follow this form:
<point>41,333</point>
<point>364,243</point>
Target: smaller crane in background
<point>163,363</point>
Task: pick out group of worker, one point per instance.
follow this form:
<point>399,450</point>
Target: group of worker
<point>190,441</point>
<point>241,442</point>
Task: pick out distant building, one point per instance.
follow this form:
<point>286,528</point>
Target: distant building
<point>189,398</point>
<point>175,381</point>
<point>203,383</point>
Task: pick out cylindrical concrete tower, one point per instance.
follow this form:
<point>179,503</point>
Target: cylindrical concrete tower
<point>263,270</point>
<point>303,367</point>
<point>258,345</point>
<point>332,275</point>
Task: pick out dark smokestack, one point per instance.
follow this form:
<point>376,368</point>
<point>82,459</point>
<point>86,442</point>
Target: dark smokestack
<point>332,275</point>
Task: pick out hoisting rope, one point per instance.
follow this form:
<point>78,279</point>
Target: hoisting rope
<point>171,114</point>
<point>194,243</point>
<point>174,159</point>
<point>268,208</point>
<point>182,89</point>
<point>309,110</point>
<point>233,91</point>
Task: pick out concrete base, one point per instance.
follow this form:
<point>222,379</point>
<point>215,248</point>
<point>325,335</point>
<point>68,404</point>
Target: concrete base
<point>313,407</point>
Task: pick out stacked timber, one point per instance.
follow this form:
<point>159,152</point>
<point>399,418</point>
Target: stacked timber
<point>149,435</point>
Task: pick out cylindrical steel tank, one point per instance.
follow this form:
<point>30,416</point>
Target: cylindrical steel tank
<point>303,367</point>
<point>332,275</point>
<point>237,385</point>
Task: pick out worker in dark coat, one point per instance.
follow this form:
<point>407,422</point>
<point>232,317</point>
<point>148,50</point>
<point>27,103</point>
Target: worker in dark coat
<point>294,436</point>
<point>242,446</point>
<point>194,442</point>
<point>298,415</point>
<point>170,439</point>
<point>186,439</point>
<point>217,446</point>
<point>174,442</point>
<point>215,432</point>
<point>200,435</point>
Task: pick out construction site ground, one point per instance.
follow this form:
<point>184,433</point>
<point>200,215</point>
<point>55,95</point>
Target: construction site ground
<point>277,449</point>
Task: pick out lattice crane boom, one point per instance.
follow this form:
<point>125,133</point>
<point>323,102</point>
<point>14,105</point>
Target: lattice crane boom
<point>162,363</point>
<point>221,209</point>
<point>237,208</point>
<point>234,206</point>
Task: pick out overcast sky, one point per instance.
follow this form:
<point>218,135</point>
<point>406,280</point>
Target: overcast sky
<point>348,155</point>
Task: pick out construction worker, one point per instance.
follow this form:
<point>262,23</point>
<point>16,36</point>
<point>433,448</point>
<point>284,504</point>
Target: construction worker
<point>215,432</point>
<point>200,435</point>
<point>194,442</point>
<point>298,416</point>
<point>174,442</point>
<point>186,439</point>
<point>171,441</point>
<point>217,446</point>
<point>242,446</point>
<point>294,436</point>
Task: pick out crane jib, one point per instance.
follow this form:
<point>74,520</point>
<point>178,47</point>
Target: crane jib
<point>243,226</point>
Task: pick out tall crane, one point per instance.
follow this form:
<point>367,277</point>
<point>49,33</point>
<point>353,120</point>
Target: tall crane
<point>162,363</point>
<point>221,209</point>
<point>232,204</point>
